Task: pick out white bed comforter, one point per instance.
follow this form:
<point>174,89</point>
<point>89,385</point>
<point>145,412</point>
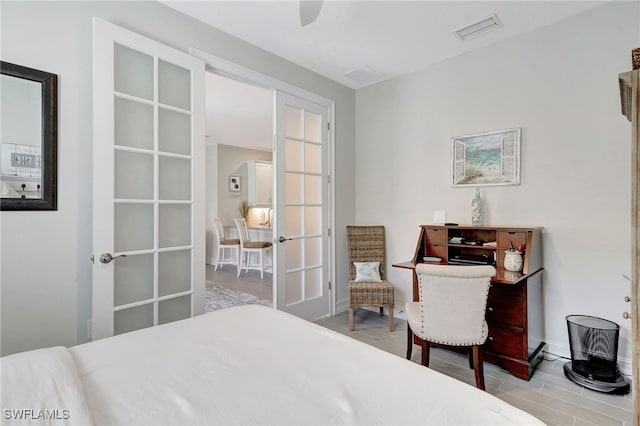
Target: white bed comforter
<point>255,365</point>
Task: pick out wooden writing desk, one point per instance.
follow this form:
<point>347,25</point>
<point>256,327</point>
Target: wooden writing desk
<point>514,308</point>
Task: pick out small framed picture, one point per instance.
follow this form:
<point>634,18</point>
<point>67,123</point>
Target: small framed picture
<point>234,183</point>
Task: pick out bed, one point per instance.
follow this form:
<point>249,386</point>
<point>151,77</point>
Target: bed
<point>243,365</point>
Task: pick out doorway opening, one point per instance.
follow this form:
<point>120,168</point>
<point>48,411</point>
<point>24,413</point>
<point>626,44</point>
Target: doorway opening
<point>239,186</point>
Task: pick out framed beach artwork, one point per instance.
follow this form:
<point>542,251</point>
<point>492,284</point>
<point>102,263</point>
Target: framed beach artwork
<point>486,159</point>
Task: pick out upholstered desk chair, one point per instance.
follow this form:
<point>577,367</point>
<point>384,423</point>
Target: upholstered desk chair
<point>367,283</point>
<point>232,245</point>
<point>451,310</point>
<point>247,247</point>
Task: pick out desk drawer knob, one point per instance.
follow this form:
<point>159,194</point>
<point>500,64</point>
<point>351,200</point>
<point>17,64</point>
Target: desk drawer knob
<point>490,309</point>
<point>490,338</point>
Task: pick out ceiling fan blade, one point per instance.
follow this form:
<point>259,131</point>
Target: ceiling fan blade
<point>309,11</point>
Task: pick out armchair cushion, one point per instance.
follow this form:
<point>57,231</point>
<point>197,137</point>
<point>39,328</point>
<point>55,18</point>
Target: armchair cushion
<point>367,272</point>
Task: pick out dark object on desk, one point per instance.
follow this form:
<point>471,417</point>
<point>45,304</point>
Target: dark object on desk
<point>450,224</point>
<point>594,355</point>
<point>480,259</point>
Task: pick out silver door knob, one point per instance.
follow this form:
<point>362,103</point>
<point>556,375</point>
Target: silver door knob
<point>108,257</point>
<point>283,239</point>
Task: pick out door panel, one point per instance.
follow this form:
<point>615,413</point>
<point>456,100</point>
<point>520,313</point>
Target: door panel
<point>148,182</point>
<point>302,207</point>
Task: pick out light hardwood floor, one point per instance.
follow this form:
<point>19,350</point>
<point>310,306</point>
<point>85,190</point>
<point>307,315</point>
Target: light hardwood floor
<point>249,282</point>
<point>548,395</point>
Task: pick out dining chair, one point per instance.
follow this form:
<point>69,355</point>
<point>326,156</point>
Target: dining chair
<point>233,245</point>
<point>451,311</point>
<point>247,247</point>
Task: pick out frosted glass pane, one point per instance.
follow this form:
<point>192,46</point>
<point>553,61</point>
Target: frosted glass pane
<point>133,72</point>
<point>174,132</point>
<point>312,158</point>
<point>312,126</point>
<point>292,122</point>
<point>293,255</point>
<point>174,178</point>
<point>293,188</point>
<point>174,309</point>
<point>132,319</point>
<point>312,189</point>
<point>133,279</point>
<point>133,124</point>
<point>174,272</point>
<point>174,85</point>
<point>133,227</point>
<point>294,155</point>
<point>133,175</point>
<point>313,283</point>
<point>293,221</point>
<point>293,287</point>
<point>312,220</point>
<point>174,225</point>
<point>313,252</point>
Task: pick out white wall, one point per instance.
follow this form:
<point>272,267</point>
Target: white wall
<point>559,84</point>
<point>45,267</point>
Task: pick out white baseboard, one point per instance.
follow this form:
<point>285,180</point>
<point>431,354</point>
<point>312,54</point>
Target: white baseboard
<point>341,305</point>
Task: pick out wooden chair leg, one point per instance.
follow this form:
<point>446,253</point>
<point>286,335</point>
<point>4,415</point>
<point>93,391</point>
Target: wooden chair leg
<point>261,264</point>
<point>425,353</point>
<point>392,325</point>
<point>478,365</point>
<point>350,319</point>
<point>471,358</point>
<point>409,341</point>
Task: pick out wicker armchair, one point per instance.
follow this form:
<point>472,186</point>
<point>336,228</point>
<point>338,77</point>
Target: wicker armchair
<point>367,244</point>
<point>451,311</point>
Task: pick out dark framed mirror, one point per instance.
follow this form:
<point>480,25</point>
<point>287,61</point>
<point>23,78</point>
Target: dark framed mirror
<point>29,138</point>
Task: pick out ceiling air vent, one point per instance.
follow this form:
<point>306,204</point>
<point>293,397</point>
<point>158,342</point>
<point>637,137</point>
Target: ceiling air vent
<point>481,27</point>
<point>363,75</point>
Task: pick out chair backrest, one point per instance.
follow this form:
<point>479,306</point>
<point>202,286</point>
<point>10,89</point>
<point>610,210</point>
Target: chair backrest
<point>243,230</point>
<point>453,300</point>
<point>366,244</point>
<point>217,226</point>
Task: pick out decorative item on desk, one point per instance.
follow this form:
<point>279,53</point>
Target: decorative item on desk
<point>477,210</point>
<point>513,259</point>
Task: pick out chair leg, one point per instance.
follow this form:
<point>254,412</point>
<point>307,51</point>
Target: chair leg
<point>391,323</point>
<point>381,311</point>
<point>425,353</point>
<point>261,264</point>
<point>471,358</point>
<point>350,319</point>
<point>478,362</point>
<point>409,341</point>
<point>215,268</point>
<point>237,249</point>
<point>240,260</point>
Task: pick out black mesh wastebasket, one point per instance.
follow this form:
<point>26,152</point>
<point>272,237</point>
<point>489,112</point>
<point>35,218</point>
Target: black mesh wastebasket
<point>594,354</point>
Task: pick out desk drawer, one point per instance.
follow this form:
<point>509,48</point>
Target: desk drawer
<point>437,250</point>
<point>507,311</point>
<point>507,239</point>
<point>506,342</point>
<point>435,235</point>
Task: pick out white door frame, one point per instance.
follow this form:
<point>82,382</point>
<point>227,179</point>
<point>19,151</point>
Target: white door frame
<point>229,69</point>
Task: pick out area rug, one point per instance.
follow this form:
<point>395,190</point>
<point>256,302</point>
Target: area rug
<point>218,297</point>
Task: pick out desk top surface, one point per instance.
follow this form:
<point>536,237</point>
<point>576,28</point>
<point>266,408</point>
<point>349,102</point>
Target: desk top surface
<point>502,275</point>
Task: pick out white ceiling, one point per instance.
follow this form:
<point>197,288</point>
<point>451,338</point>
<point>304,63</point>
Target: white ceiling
<point>391,37</point>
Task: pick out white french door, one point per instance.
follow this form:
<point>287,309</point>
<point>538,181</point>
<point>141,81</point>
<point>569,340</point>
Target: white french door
<point>302,220</point>
<point>148,183</point>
